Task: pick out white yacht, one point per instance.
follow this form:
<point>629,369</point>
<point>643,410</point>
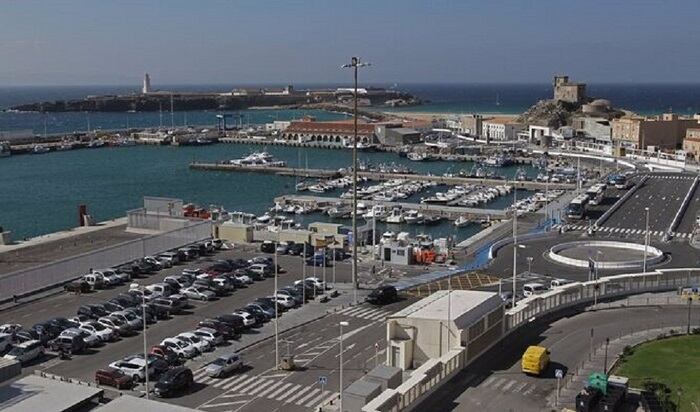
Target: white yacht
<point>396,216</point>
<point>377,212</point>
<point>413,217</point>
<point>39,149</point>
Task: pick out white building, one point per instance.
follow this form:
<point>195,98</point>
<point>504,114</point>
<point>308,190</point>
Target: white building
<point>503,130</point>
<point>146,84</point>
<point>428,330</point>
<point>277,126</point>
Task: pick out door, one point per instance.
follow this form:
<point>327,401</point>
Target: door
<point>387,254</point>
<point>395,356</point>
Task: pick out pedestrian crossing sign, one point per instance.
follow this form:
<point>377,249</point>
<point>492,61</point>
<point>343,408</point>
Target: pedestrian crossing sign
<point>322,380</point>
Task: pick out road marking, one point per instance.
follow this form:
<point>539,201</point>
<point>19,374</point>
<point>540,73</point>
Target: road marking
<point>317,399</point>
<point>263,384</point>
<point>489,381</point>
<point>530,390</point>
<point>307,396</point>
<point>508,385</point>
<point>245,382</point>
<point>296,395</point>
<point>229,381</point>
<point>269,388</point>
<point>280,389</point>
<point>251,385</point>
<point>326,400</point>
<point>500,382</point>
<point>214,405</point>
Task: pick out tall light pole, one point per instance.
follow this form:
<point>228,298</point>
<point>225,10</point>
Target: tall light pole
<point>277,343</point>
<point>515,271</point>
<point>355,63</point>
<point>646,240</point>
<point>449,310</point>
<point>145,342</point>
<point>341,363</point>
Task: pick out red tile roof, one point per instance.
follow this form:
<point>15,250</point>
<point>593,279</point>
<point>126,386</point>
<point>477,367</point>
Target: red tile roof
<point>329,128</point>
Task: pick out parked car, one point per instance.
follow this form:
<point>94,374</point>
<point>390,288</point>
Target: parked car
<point>211,285</point>
<point>112,306</point>
<point>292,293</point>
<point>10,328</point>
<point>104,333</point>
<point>199,293</point>
<point>260,315</point>
<point>224,364</point>
<point>129,318</point>
<point>267,247</point>
<point>248,319</point>
<point>116,324</point>
<point>91,339</point>
<point>283,300</point>
<point>224,329</point>
<point>218,243</point>
<point>26,351</point>
<point>267,310</point>
<point>136,368</point>
<point>156,364</point>
<point>161,289</point>
<point>383,295</point>
<point>138,312</point>
<point>282,248</point>
<point>235,322</point>
<point>174,381</point>
<point>70,344</point>
<point>190,254</point>
<point>173,257</point>
<point>166,353</point>
<point>184,349</point>
<point>201,344</point>
<point>92,311</point>
<point>5,341</point>
<point>95,280</point>
<point>167,305</point>
<point>210,335</point>
<point>113,377</point>
<point>26,335</point>
<point>260,269</point>
<point>180,280</point>
<point>243,277</point>
<point>77,286</point>
<point>314,281</point>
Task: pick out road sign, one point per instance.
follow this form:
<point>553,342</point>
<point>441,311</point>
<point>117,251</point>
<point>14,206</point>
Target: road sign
<point>322,380</point>
<point>559,373</point>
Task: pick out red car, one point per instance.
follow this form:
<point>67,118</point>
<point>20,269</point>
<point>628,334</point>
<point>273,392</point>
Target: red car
<point>166,353</point>
<point>113,377</point>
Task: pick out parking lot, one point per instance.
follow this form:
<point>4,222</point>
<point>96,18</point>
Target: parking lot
<point>84,365</point>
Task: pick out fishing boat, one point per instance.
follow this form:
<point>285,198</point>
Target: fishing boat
<point>39,149</point>
<point>417,157</point>
<point>432,220</point>
<point>395,216</point>
<point>5,149</point>
<point>461,221</point>
<point>413,217</point>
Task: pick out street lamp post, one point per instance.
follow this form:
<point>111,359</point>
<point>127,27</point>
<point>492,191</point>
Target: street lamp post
<point>355,63</point>
<point>605,360</point>
<point>277,343</point>
<point>515,271</point>
<point>646,241</point>
<point>529,265</point>
<point>303,276</point>
<point>341,363</point>
<point>145,341</point>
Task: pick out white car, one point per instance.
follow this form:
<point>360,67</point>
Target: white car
<point>198,293</point>
<point>224,364</point>
<point>244,278</point>
<point>10,328</point>
<point>136,368</point>
<point>318,283</point>
<point>182,281</point>
<point>112,277</point>
<point>101,331</point>
<point>172,257</point>
<point>201,344</point>
<point>209,334</point>
<point>194,272</point>
<point>91,339</point>
<point>25,351</point>
<point>248,319</point>
<point>164,262</point>
<point>153,261</point>
<point>184,349</point>
<point>284,300</point>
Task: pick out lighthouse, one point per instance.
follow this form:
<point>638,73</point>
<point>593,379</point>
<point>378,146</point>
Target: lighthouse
<point>146,84</point>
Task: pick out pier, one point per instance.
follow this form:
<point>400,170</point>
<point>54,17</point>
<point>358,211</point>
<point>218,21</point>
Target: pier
<point>450,212</point>
<point>372,175</point>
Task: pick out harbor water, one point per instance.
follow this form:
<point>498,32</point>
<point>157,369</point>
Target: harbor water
<point>41,193</point>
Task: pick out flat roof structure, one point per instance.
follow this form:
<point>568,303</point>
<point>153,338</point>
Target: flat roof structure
<point>34,393</point>
<point>132,403</point>
<point>466,307</point>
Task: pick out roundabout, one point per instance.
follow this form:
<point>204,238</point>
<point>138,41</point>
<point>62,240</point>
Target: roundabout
<point>604,254</point>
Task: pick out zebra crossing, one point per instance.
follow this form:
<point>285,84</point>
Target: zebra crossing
<point>671,177</point>
<point>364,312</point>
<point>623,231</point>
<point>513,386</point>
<point>257,386</point>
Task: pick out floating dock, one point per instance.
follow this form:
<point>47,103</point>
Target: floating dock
<point>450,212</point>
<point>373,175</point>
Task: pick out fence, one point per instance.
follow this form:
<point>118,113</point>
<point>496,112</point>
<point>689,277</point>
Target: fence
<point>420,384</point>
<point>52,274</point>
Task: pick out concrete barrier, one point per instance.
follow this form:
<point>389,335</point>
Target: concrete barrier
<point>656,254</point>
<point>684,206</point>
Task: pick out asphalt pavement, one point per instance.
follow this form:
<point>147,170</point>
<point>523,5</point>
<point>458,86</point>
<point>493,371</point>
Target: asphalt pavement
<point>495,382</point>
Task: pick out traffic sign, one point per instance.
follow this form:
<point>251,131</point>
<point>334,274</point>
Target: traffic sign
<point>322,380</point>
<point>559,373</point>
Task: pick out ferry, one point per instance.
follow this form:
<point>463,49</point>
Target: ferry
<point>261,159</point>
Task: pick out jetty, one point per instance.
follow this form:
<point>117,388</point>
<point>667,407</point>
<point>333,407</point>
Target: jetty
<point>374,175</point>
<point>449,212</point>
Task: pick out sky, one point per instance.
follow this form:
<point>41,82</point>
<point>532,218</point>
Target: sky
<point>76,42</point>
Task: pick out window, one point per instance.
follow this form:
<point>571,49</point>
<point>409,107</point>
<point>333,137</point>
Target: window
<point>401,252</point>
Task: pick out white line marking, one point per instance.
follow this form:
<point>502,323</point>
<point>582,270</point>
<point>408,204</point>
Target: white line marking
<point>307,396</point>
<point>296,395</point>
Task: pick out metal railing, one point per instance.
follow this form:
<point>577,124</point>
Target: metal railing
<point>53,274</point>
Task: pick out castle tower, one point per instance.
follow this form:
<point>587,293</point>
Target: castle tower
<point>146,84</point>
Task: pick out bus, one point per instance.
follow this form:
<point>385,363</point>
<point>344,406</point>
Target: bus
<point>619,181</point>
<point>577,208</point>
<point>596,193</point>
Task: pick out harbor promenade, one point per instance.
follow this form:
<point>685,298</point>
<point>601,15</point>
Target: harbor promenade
<point>374,175</point>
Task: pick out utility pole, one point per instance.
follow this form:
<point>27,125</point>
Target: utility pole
<point>354,65</point>
<point>172,113</point>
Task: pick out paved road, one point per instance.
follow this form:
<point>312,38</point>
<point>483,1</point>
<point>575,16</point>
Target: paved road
<point>662,194</point>
<point>495,383</point>
<point>687,223</point>
<point>316,350</point>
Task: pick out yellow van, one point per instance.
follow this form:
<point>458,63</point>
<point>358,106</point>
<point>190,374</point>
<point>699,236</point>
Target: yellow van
<point>535,360</point>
